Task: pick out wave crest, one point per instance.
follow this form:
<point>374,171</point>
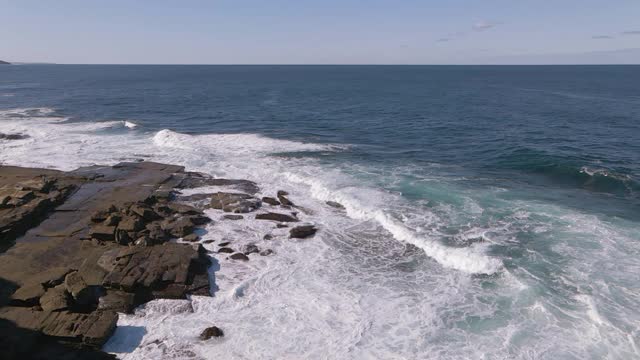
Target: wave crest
<point>469,260</point>
<point>239,144</point>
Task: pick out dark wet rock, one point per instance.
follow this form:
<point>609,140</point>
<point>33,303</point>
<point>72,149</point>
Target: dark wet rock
<point>208,241</point>
<point>233,217</point>
<point>234,202</point>
<point>196,180</point>
<point>199,219</point>
<point>276,217</point>
<point>13,136</point>
<point>268,237</point>
<point>191,238</point>
<point>210,332</point>
<point>336,205</point>
<point>302,232</point>
<point>225,250</point>
<point>239,256</point>
<point>266,252</point>
<point>282,196</point>
<point>280,226</point>
<point>250,249</point>
<point>223,244</point>
<point>116,300</point>
<point>270,201</point>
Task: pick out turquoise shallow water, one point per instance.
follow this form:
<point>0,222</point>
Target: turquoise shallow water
<point>491,212</point>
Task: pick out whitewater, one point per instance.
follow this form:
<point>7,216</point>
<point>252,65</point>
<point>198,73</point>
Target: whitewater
<point>385,277</point>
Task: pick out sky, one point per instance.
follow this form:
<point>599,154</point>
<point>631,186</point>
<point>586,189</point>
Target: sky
<point>320,32</point>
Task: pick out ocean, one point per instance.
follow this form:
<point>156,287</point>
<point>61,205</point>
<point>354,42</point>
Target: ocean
<point>491,212</point>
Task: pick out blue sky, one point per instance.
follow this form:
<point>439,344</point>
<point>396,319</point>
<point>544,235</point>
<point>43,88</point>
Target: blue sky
<point>317,32</point>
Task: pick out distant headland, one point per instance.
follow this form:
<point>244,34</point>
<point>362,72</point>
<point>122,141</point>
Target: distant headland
<point>4,63</point>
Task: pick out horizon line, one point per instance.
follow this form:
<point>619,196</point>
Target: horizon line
<point>302,64</point>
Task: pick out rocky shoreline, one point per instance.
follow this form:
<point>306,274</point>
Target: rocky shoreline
<point>79,247</point>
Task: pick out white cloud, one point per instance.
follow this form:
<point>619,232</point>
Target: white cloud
<point>484,25</point>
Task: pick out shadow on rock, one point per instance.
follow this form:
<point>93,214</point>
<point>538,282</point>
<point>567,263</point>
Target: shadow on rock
<point>125,339</point>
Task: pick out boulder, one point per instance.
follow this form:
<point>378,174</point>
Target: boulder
<point>183,209</point>
<point>116,300</point>
<point>270,201</point>
<point>282,196</point>
<point>170,270</point>
<point>268,237</point>
<point>156,235</point>
<point>55,299</point>
<point>302,232</point>
<point>239,256</point>
<point>199,219</point>
<point>103,232</point>
<point>191,238</point>
<point>266,252</point>
<point>178,227</point>
<point>131,223</point>
<point>336,205</point>
<point>250,249</point>
<point>276,217</point>
<point>225,250</point>
<point>234,202</point>
<point>113,220</point>
<point>13,136</point>
<point>28,295</point>
<point>223,244</point>
<point>280,226</point>
<point>210,332</point>
<point>144,211</point>
<point>196,180</point>
<point>233,217</point>
<point>82,293</point>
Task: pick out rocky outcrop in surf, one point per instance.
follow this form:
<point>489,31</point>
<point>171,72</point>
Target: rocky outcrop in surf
<point>95,243</point>
<point>82,246</point>
<point>13,136</point>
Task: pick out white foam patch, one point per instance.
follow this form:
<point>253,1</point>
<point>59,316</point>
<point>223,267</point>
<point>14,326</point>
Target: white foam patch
<point>129,124</point>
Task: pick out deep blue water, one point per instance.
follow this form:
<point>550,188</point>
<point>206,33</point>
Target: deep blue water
<point>571,129</point>
<point>490,211</point>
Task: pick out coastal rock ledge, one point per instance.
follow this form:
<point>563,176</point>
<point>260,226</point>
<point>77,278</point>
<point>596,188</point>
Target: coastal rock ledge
<point>78,247</point>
